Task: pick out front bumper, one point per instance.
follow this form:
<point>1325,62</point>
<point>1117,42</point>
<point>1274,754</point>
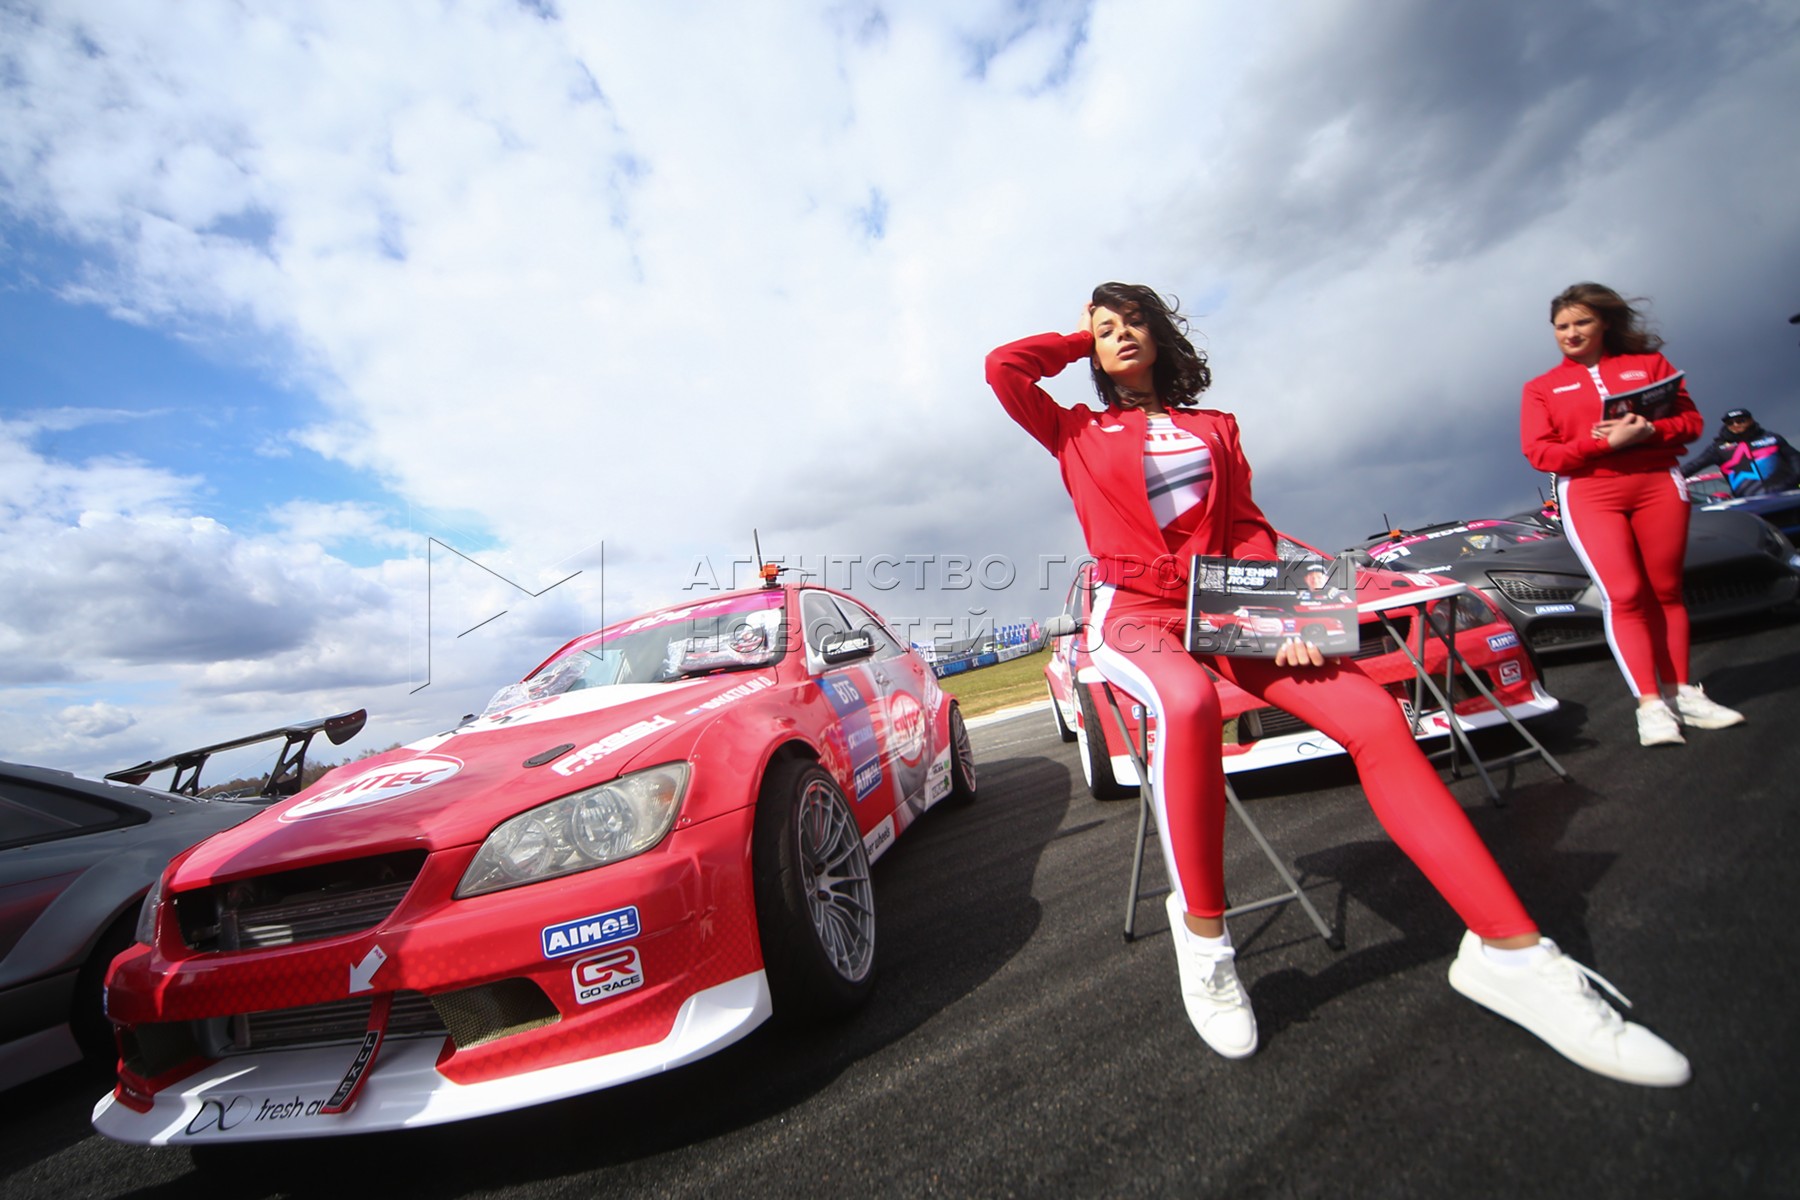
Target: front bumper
<point>279,1094</point>
<point>570,984</point>
<point>1284,749</point>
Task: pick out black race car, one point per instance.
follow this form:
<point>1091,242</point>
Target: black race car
<point>1737,565</point>
<point>77,856</point>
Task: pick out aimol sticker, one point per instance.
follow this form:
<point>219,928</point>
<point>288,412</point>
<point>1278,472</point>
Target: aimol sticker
<point>601,929</point>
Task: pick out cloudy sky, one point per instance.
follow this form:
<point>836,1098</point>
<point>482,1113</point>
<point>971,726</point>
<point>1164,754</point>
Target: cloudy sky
<point>358,354</point>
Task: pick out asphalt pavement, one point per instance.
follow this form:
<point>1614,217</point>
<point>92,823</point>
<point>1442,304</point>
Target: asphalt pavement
<point>1018,1046</point>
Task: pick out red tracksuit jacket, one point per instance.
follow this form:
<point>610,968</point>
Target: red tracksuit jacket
<point>1102,459</point>
<point>1559,408</point>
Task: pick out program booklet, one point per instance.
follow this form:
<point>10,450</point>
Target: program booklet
<point>1248,607</point>
<point>1653,401</point>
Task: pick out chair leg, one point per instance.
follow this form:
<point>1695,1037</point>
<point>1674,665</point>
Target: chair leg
<point>1146,798</point>
<point>1137,860</point>
<point>1294,891</point>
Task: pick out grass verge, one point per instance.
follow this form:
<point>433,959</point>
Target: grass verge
<point>1003,685</point>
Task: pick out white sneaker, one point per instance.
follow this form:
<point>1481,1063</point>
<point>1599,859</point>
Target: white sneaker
<point>1695,708</point>
<point>1658,725</point>
<point>1216,1003</point>
<point>1552,999</point>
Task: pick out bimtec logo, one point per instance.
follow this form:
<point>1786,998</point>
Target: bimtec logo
<point>375,786</point>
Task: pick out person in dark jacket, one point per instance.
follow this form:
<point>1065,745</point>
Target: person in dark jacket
<point>1752,459</point>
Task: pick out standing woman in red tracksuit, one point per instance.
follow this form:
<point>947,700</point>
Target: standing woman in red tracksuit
<point>1156,480</point>
<point>1623,501</point>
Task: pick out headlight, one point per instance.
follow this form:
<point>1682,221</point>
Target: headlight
<point>146,922</point>
<point>1472,612</point>
<point>1775,543</point>
<point>583,830</point>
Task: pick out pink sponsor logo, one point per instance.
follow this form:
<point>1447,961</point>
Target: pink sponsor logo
<point>376,786</point>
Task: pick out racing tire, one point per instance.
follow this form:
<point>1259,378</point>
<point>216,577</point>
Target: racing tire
<point>815,904</point>
<point>1096,763</point>
<point>962,760</point>
<point>1063,731</point>
<point>87,1011</point>
<point>1314,635</point>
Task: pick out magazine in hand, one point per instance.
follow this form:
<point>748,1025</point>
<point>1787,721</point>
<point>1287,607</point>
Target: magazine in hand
<point>1653,401</point>
<point>1249,607</point>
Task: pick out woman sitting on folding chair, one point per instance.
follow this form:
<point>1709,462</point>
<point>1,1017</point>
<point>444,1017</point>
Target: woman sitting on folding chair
<point>1156,480</point>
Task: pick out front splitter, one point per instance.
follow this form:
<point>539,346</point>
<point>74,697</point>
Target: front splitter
<point>281,1094</point>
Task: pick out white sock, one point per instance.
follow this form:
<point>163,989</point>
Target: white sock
<point>1526,957</point>
<point>1207,945</point>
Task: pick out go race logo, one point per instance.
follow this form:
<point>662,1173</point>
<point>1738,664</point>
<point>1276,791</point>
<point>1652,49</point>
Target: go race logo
<point>376,786</point>
<point>607,974</point>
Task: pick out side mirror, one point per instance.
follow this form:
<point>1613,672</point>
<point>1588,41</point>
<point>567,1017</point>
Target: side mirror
<point>847,647</point>
<point>1061,625</point>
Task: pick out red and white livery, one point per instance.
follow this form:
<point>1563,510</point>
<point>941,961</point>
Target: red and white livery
<point>631,859</point>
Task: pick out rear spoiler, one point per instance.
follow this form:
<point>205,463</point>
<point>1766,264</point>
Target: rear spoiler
<point>284,779</point>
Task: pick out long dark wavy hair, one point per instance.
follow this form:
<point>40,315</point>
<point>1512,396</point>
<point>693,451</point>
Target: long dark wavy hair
<point>1626,332</point>
<point>1180,372</point>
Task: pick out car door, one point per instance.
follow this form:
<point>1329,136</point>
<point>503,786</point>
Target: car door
<point>879,700</point>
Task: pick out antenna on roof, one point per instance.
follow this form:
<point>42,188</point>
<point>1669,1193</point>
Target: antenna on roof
<point>770,572</point>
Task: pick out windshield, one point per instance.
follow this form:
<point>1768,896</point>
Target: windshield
<point>1462,541</point>
<point>720,635</point>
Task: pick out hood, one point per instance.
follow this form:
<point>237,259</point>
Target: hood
<point>1374,583</point>
<point>454,788</point>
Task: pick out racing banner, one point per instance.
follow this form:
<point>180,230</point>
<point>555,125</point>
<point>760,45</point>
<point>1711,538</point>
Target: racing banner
<point>1250,607</point>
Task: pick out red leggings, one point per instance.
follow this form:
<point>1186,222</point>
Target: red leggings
<point>1140,650</point>
<point>1631,533</point>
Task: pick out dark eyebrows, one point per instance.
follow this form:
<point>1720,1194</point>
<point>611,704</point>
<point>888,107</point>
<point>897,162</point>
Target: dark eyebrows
<point>1133,316</point>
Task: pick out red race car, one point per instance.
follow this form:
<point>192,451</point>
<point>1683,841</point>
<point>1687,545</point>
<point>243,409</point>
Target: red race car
<point>628,861</point>
<point>1257,736</point>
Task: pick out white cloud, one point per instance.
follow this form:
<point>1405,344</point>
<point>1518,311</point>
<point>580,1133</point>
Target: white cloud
<point>660,276</point>
<point>95,720</point>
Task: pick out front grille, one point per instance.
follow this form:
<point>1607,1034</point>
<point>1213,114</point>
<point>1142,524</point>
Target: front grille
<point>292,907</point>
<point>470,1017</point>
<point>1373,639</point>
<point>1555,634</point>
<point>1521,592</point>
<point>337,1021</point>
<point>1261,723</point>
